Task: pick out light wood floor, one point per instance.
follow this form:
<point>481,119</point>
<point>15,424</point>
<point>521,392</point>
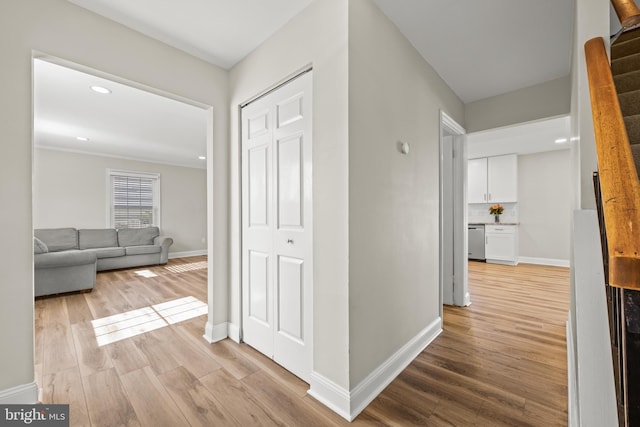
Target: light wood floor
<point>501,361</point>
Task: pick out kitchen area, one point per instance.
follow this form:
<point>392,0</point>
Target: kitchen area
<point>523,173</point>
<point>492,197</point>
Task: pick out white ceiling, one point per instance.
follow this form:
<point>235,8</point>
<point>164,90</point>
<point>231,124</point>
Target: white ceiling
<point>526,138</point>
<point>128,122</point>
<point>486,48</point>
<point>480,49</point>
<point>219,31</point>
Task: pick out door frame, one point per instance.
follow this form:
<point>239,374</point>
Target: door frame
<point>457,217</point>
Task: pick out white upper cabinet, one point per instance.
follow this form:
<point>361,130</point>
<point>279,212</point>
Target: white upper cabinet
<point>502,172</point>
<point>493,179</point>
<point>477,180</point>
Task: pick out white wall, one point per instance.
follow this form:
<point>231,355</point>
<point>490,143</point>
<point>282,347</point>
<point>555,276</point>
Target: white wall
<point>64,30</point>
<point>394,95</point>
<point>591,20</point>
<point>548,99</point>
<point>544,205</point>
<point>70,190</point>
<point>317,37</point>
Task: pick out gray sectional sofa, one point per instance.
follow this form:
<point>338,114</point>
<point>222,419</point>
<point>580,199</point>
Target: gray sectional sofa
<point>66,259</point>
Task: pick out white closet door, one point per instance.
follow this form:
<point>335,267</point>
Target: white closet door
<point>277,229</point>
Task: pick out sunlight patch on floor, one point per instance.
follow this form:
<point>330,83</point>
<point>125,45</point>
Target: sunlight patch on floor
<point>146,273</point>
<point>131,323</point>
<point>182,268</point>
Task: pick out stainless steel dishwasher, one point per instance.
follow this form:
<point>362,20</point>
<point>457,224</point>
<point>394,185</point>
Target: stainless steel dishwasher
<point>476,241</point>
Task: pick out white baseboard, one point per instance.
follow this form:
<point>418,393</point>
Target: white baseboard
<point>186,254</point>
<point>22,394</point>
<point>376,381</point>
<point>348,404</point>
<point>545,261</point>
<point>214,333</point>
<point>331,395</point>
<point>234,332</point>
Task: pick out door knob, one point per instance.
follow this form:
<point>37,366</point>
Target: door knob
<point>289,241</point>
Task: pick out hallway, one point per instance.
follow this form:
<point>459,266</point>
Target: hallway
<point>500,361</point>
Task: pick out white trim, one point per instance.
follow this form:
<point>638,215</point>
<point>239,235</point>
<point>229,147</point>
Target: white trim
<point>544,261</point>
<point>233,331</point>
<point>114,156</point>
<point>24,393</point>
<point>214,333</point>
<point>447,121</point>
<point>330,395</point>
<point>186,254</point>
<point>381,377</point>
<point>573,411</point>
<point>349,404</point>
<point>458,215</point>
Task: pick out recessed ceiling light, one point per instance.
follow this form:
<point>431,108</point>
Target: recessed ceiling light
<point>82,138</point>
<point>202,158</point>
<point>100,89</point>
<point>561,140</point>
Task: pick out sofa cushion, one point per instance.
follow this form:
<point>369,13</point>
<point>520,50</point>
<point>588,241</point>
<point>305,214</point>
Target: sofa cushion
<point>63,259</point>
<point>58,239</point>
<point>39,247</point>
<point>97,238</point>
<point>107,252</point>
<point>137,236</point>
<point>143,250</point>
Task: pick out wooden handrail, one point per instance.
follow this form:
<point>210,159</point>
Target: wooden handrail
<point>618,177</point>
<point>627,11</point>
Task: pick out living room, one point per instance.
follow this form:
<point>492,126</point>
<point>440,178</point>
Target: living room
<point>82,137</point>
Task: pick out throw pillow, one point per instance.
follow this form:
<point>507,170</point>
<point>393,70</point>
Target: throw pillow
<point>39,247</point>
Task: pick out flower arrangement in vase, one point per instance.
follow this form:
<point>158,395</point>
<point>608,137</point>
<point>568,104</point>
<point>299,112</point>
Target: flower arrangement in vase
<point>496,211</point>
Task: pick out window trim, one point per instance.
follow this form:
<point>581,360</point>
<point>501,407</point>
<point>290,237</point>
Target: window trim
<point>157,216</point>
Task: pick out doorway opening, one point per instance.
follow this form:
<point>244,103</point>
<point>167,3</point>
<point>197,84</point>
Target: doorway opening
<point>86,173</point>
<point>453,218</point>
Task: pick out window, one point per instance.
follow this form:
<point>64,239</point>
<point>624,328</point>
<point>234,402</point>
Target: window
<point>134,199</point>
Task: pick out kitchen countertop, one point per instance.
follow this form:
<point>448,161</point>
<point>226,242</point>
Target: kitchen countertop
<point>494,223</point>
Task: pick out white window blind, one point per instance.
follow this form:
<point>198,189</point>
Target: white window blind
<point>134,199</point>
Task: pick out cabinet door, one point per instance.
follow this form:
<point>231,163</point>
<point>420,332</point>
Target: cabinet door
<point>499,247</point>
<point>502,179</point>
<point>477,180</point>
<point>501,244</point>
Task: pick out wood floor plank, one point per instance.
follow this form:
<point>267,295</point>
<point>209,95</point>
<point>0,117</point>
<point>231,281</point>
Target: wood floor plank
<point>393,412</point>
<point>246,409</point>
<point>126,356</point>
<point>266,364</point>
<point>152,403</point>
<point>193,357</point>
<point>58,340</point>
<point>155,349</point>
<point>281,402</point>
<point>78,308</point>
<point>197,404</point>
<point>226,356</point>
<point>106,301</point>
<point>107,402</point>
<point>38,327</point>
<point>91,357</point>
<point>65,387</point>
